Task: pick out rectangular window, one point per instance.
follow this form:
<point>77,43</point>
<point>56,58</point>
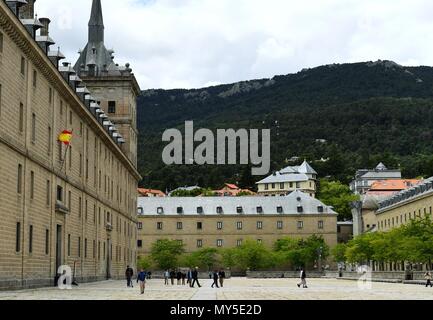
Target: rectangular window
<point>239,210</point>
<point>31,239</point>
<point>48,192</point>
<point>159,225</point>
<point>21,118</point>
<point>220,243</point>
<point>266,186</point>
<point>59,193</point>
<point>33,127</point>
<point>18,238</point>
<point>320,225</point>
<point>239,225</point>
<point>281,186</point>
<point>279,210</point>
<point>79,207</point>
<point>1,42</point>
<point>32,185</point>
<point>179,226</point>
<point>259,210</point>
<point>140,243</point>
<point>199,225</point>
<point>49,140</point>
<point>259,241</point>
<point>300,209</point>
<point>35,78</point>
<point>140,226</point>
<point>70,118</point>
<point>300,225</point>
<point>199,243</point>
<point>94,249</point>
<point>81,165</point>
<point>99,250</point>
<point>259,225</point>
<point>85,248</point>
<point>19,181</point>
<point>79,247</point>
<point>23,66</point>
<point>239,243</point>
<point>50,95</point>
<point>320,209</point>
<point>111,106</point>
<point>47,241</point>
<point>69,245</point>
<point>219,210</point>
<point>219,225</point>
<point>280,225</point>
<point>0,99</point>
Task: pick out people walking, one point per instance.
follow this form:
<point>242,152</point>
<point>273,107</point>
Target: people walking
<point>215,279</point>
<point>166,276</point>
<point>428,277</point>
<point>195,278</point>
<point>303,279</point>
<point>222,276</point>
<point>129,274</point>
<point>172,276</point>
<point>210,275</point>
<point>141,279</point>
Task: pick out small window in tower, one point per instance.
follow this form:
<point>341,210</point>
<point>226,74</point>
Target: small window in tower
<point>111,106</point>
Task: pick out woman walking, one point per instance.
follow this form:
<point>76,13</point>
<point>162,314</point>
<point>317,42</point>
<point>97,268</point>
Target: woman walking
<point>303,279</point>
<point>428,277</point>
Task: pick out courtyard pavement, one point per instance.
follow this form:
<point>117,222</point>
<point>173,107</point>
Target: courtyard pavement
<point>234,289</point>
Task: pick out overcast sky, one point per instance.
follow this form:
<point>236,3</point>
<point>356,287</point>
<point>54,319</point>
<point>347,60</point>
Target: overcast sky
<point>197,43</point>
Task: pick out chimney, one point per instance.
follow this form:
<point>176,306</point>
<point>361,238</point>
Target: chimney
<point>45,29</point>
<point>28,11</point>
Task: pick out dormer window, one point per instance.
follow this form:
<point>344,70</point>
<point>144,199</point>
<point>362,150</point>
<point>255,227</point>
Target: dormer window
<point>280,210</point>
<point>259,210</point>
<point>200,210</point>
<point>300,209</point>
<point>239,210</point>
<point>140,211</point>
<point>160,210</point>
<point>320,209</point>
<point>219,210</point>
<point>179,210</point>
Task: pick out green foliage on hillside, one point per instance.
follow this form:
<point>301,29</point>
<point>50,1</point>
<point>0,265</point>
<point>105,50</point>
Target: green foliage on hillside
<point>367,113</point>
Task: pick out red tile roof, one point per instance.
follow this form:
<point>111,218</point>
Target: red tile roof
<point>393,185</point>
<point>149,192</point>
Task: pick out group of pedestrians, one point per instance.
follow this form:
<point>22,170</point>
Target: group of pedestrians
<point>191,277</point>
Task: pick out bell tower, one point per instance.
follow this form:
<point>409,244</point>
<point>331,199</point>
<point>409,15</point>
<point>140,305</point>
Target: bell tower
<point>114,87</point>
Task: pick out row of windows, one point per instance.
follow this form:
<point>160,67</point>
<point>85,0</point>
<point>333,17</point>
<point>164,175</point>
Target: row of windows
<point>239,225</point>
<point>118,257</point>
<point>282,185</point>
<point>220,210</point>
<point>199,243</point>
<point>395,221</point>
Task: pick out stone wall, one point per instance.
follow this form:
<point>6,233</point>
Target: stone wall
<point>282,274</point>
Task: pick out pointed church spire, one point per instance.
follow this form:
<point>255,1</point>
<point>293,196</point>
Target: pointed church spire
<point>96,23</point>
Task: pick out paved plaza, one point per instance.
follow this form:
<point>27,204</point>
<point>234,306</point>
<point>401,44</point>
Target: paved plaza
<point>235,289</point>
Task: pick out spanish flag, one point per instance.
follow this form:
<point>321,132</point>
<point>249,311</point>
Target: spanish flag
<point>66,137</point>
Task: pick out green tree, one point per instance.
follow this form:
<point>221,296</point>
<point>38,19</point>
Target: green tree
<point>339,252</point>
<point>166,253</point>
<point>337,195</point>
<point>254,256</point>
<point>207,258</point>
<point>144,263</point>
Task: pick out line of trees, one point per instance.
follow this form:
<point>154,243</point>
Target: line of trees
<point>286,254</point>
<point>410,244</point>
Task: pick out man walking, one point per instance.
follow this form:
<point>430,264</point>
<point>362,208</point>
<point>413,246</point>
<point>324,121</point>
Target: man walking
<point>215,279</point>
<point>222,276</point>
<point>195,278</point>
<point>141,278</point>
<point>172,276</point>
<point>303,279</point>
<point>428,277</point>
<point>179,277</point>
<point>166,276</point>
<point>128,274</point>
<point>189,277</point>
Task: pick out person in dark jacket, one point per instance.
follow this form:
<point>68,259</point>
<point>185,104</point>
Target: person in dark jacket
<point>189,277</point>
<point>183,278</point>
<point>179,277</point>
<point>172,276</point>
<point>222,276</point>
<point>129,274</point>
<point>195,278</point>
<point>141,278</point>
<point>215,279</point>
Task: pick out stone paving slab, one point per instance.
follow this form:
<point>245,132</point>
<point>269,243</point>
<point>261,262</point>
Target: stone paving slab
<point>234,289</point>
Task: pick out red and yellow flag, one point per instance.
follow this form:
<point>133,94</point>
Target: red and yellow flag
<point>66,137</point>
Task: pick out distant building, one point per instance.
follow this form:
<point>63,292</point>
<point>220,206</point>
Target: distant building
<point>401,208</point>
<point>364,178</point>
<point>150,193</point>
<point>289,179</point>
<point>188,189</point>
<point>232,190</point>
<point>364,211</point>
<point>226,222</point>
